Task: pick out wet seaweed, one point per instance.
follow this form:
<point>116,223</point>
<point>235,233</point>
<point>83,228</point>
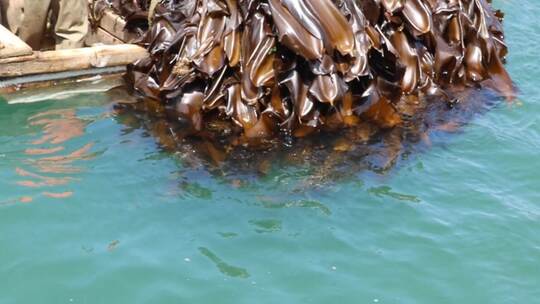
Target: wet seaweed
<point>366,78</point>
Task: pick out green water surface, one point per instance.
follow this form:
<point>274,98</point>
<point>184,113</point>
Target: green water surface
<point>106,217</point>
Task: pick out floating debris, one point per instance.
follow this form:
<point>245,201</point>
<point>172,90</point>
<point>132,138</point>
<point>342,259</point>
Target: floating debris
<point>113,245</point>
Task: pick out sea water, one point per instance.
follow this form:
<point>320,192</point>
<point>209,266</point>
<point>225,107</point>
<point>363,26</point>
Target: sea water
<point>92,211</point>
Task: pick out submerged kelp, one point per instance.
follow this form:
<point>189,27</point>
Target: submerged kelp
<point>254,72</point>
<point>330,157</point>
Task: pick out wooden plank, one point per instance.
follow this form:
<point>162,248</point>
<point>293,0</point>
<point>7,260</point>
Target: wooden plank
<point>11,45</point>
<point>72,60</point>
<point>114,25</point>
<point>100,36</point>
<point>19,58</point>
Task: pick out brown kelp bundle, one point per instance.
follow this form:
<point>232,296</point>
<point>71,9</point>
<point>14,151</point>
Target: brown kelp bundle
<point>295,66</point>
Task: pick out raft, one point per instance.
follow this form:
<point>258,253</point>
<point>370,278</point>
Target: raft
<point>107,53</point>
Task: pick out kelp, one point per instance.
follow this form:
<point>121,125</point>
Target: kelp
<point>262,71</point>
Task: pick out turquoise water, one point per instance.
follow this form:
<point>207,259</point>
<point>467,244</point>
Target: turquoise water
<point>105,216</point>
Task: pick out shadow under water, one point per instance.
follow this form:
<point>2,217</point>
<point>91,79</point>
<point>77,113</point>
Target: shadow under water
<point>324,157</point>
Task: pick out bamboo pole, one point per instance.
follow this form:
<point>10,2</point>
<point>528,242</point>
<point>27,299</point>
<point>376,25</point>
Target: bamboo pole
<point>71,60</point>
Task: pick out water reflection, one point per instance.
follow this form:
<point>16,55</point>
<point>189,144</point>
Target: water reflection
<point>54,160</point>
<point>58,126</point>
<point>49,166</point>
